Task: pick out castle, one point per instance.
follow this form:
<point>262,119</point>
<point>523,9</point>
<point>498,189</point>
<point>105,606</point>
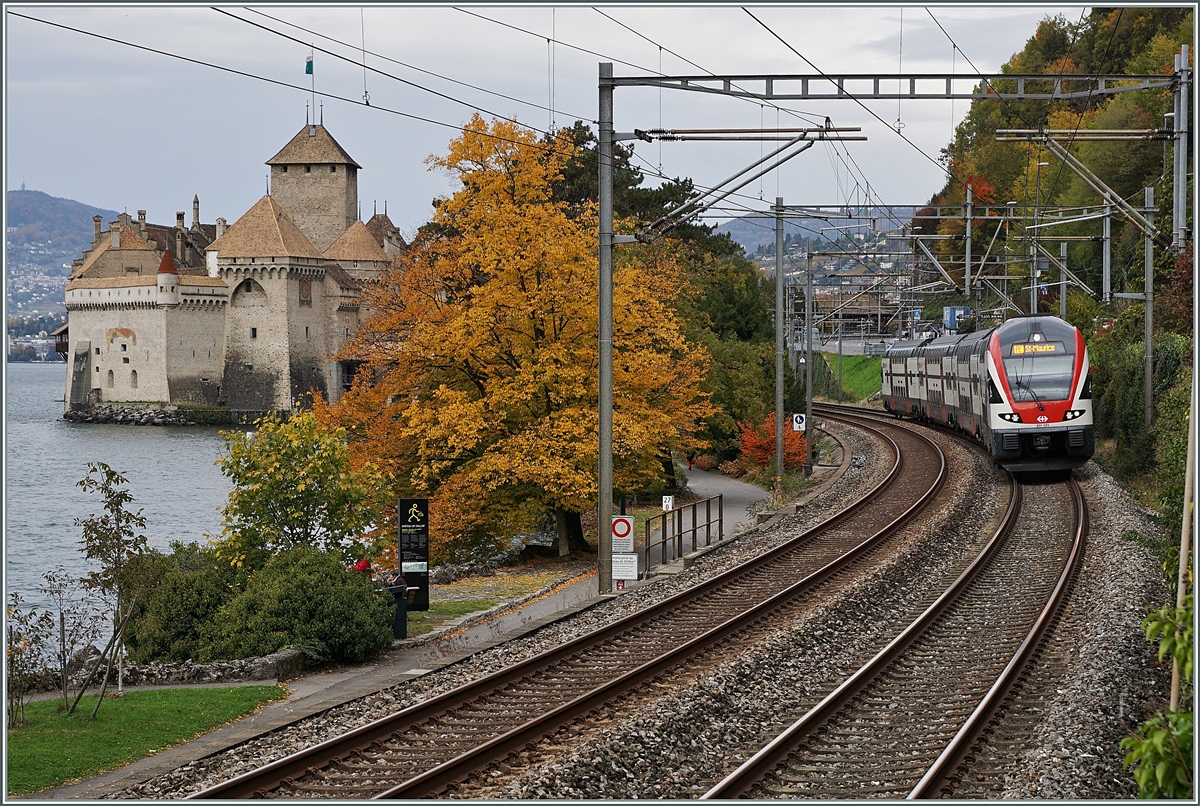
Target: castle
<point>247,316</point>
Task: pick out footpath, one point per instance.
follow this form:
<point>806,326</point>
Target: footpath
<point>451,641</point>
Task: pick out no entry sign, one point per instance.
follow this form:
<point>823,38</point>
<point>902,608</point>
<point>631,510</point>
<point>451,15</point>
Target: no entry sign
<point>622,533</point>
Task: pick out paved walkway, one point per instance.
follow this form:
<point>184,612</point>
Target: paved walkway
<point>734,511</point>
<point>456,640</point>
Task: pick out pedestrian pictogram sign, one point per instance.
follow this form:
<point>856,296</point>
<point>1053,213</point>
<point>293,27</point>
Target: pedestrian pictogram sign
<point>798,423</point>
<point>622,533</point>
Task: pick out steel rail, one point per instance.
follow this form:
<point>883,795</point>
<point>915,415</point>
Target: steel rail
<point>260,781</point>
<point>437,778</point>
<point>940,774</point>
<point>741,780</point>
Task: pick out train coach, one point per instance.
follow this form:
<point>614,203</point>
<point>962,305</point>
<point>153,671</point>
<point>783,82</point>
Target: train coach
<point>1023,389</point>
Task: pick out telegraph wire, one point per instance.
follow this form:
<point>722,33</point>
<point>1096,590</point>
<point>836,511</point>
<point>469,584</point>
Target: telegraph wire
<point>559,42</point>
<point>808,117</point>
<point>850,95</point>
<point>380,72</point>
<point>412,66</point>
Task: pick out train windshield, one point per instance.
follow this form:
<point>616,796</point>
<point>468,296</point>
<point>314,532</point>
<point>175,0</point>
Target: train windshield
<point>1039,358</point>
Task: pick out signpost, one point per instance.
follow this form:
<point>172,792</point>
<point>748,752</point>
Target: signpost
<point>622,533</point>
<point>413,548</point>
<point>798,423</point>
<point>668,503</point>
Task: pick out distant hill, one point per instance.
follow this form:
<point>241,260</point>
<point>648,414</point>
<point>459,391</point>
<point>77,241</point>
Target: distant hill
<point>44,232</point>
<point>755,230</point>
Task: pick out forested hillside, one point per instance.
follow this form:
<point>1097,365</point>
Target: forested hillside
<point>44,231</point>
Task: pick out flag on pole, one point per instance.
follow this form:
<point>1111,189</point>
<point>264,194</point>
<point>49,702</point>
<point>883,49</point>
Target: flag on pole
<point>308,66</point>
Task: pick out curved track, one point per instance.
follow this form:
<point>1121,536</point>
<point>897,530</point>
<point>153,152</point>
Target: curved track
<point>902,725</point>
<point>426,748</point>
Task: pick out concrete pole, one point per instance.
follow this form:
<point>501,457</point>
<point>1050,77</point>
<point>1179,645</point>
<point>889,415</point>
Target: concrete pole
<point>809,429</point>
<point>779,345</point>
<point>1148,372</point>
<point>604,492</point>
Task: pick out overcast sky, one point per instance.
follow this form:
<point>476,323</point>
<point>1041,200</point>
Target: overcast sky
<point>126,129</point>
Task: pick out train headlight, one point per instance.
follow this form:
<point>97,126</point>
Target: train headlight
<point>1072,414</point>
<point>1011,417</point>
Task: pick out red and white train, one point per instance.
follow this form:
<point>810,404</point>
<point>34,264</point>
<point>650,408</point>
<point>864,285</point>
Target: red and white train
<point>1023,389</point>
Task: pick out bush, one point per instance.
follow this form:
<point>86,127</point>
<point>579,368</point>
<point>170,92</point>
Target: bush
<point>193,587</point>
<point>303,597</point>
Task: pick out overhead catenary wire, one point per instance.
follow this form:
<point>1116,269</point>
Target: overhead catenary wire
<point>412,84</point>
<point>413,66</point>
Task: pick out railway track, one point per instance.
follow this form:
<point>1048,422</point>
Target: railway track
<point>427,748</point>
<point>904,724</point>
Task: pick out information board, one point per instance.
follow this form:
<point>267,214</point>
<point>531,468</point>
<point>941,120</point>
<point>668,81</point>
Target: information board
<point>624,566</point>
<point>413,548</point>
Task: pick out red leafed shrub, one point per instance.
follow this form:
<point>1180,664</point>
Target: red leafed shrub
<point>757,444</point>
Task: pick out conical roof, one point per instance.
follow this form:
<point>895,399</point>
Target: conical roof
<point>264,230</point>
<point>167,264</point>
<point>356,243</point>
<point>312,145</point>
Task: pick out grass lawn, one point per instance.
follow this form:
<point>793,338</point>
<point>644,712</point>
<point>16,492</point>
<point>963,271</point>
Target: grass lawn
<point>473,594</point>
<point>51,749</point>
<point>860,375</point>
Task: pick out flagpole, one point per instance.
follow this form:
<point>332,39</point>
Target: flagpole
<point>313,73</point>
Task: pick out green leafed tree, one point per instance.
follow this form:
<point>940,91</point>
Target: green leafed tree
<point>293,485</point>
<point>115,542</point>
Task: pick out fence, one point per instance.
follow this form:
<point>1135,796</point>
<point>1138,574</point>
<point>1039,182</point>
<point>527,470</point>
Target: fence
<point>672,531</point>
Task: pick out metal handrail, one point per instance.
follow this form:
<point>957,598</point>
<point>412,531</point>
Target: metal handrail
<point>671,532</point>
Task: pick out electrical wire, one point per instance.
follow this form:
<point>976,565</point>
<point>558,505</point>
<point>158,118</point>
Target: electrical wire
<point>412,66</point>
<point>405,81</point>
<point>849,95</point>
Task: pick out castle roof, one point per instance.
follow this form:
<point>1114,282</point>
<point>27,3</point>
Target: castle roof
<point>381,227</point>
<point>356,243</point>
<point>167,264</point>
<point>129,239</point>
<point>313,145</point>
<point>264,230</point>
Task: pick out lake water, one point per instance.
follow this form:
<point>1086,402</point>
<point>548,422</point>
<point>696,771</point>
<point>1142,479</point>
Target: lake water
<point>172,475</point>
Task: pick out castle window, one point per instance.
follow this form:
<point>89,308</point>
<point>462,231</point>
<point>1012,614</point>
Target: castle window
<point>97,353</point>
<point>111,384</point>
<point>254,333</point>
<point>125,360</point>
<point>124,348</point>
<point>332,169</point>
<point>306,334</point>
<point>285,169</point>
<point>133,379</point>
<point>307,169</point>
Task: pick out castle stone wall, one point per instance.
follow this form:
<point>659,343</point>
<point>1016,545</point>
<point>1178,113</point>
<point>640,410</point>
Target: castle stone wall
<point>322,202</point>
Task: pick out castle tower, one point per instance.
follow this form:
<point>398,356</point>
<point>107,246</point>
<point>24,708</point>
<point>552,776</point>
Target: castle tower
<point>316,183</point>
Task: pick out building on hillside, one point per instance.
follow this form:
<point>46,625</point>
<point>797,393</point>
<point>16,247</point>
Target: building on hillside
<point>246,316</point>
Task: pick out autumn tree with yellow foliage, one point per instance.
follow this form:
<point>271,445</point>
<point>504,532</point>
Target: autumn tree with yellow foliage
<point>478,386</point>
